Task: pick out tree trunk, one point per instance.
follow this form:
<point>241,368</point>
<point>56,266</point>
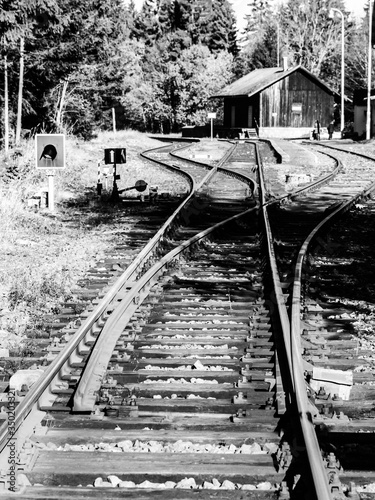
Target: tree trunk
<point>20,92</point>
<point>61,106</point>
<point>6,108</point>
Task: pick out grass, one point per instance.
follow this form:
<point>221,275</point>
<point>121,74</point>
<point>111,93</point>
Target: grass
<point>44,253</point>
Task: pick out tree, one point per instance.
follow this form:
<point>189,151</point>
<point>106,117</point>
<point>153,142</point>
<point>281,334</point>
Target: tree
<point>219,30</point>
<point>258,20</point>
<point>17,19</point>
<point>309,35</point>
<point>146,26</point>
<point>85,46</point>
<point>199,75</point>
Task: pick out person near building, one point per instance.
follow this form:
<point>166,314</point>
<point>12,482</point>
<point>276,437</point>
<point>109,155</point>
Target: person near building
<point>317,130</point>
<point>330,129</point>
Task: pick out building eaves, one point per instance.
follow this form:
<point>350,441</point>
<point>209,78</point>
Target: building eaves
<point>260,79</point>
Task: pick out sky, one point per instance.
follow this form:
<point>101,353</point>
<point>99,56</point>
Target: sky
<point>241,8</point>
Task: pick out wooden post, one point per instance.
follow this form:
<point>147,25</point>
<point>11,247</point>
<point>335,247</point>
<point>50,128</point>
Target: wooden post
<point>115,194</point>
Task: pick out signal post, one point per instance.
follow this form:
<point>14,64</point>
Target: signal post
<point>115,156</point>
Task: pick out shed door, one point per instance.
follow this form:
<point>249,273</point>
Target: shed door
<point>296,120</point>
<point>233,116</point>
<point>250,116</point>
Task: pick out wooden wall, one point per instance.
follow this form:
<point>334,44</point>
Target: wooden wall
<point>295,101</point>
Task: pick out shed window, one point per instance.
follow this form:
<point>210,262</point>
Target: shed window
<point>297,107</point>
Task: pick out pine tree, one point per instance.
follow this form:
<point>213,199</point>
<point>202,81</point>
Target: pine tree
<point>219,28</point>
<point>146,25</point>
<point>130,15</point>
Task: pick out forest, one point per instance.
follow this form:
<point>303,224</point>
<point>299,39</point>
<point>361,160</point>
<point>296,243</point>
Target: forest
<point>70,65</point>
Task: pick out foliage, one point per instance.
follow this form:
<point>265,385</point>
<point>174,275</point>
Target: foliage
<point>308,32</point>
<point>85,57</point>
<point>200,74</point>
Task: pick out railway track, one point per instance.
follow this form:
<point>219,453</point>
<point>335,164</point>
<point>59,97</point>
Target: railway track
<point>331,357</point>
<point>184,372</point>
<point>227,207</point>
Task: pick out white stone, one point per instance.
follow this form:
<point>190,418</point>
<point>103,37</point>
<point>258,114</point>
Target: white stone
<point>24,377</point>
<point>155,447</point>
<point>126,445</point>
<point>170,484</point>
<point>264,486</point>
<point>187,483</point>
<point>231,449</point>
<point>114,480</point>
<point>228,485</point>
<point>250,449</point>
<point>126,484</point>
<point>106,484</point>
<point>248,487</point>
<point>149,484</point>
<point>76,447</point>
<point>198,365</point>
<point>216,482</point>
<point>270,448</point>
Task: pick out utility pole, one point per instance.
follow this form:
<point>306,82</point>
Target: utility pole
<point>369,69</point>
<point>6,107</point>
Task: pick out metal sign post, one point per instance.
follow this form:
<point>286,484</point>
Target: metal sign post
<point>50,156</point>
<point>51,190</point>
<point>212,116</point>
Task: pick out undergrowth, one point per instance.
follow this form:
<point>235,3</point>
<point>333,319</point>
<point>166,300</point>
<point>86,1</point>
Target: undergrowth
<point>42,257</point>
<point>44,254</point>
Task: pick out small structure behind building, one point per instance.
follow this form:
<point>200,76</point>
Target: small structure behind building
<point>360,113</point>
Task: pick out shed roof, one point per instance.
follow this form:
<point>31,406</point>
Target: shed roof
<point>260,79</point>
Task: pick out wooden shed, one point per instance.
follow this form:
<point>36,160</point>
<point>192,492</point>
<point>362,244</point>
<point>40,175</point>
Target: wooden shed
<point>278,102</point>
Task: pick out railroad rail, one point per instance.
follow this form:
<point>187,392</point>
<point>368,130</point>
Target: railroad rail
<point>195,306</point>
<point>56,369</point>
<point>348,194</point>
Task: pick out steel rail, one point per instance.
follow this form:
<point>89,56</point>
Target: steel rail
<point>279,294</point>
<point>335,148</point>
<point>304,406</point>
<point>312,186</point>
<point>299,397</point>
<point>93,322</point>
<point>223,160</point>
<point>56,369</point>
<point>95,369</point>
<point>300,191</point>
